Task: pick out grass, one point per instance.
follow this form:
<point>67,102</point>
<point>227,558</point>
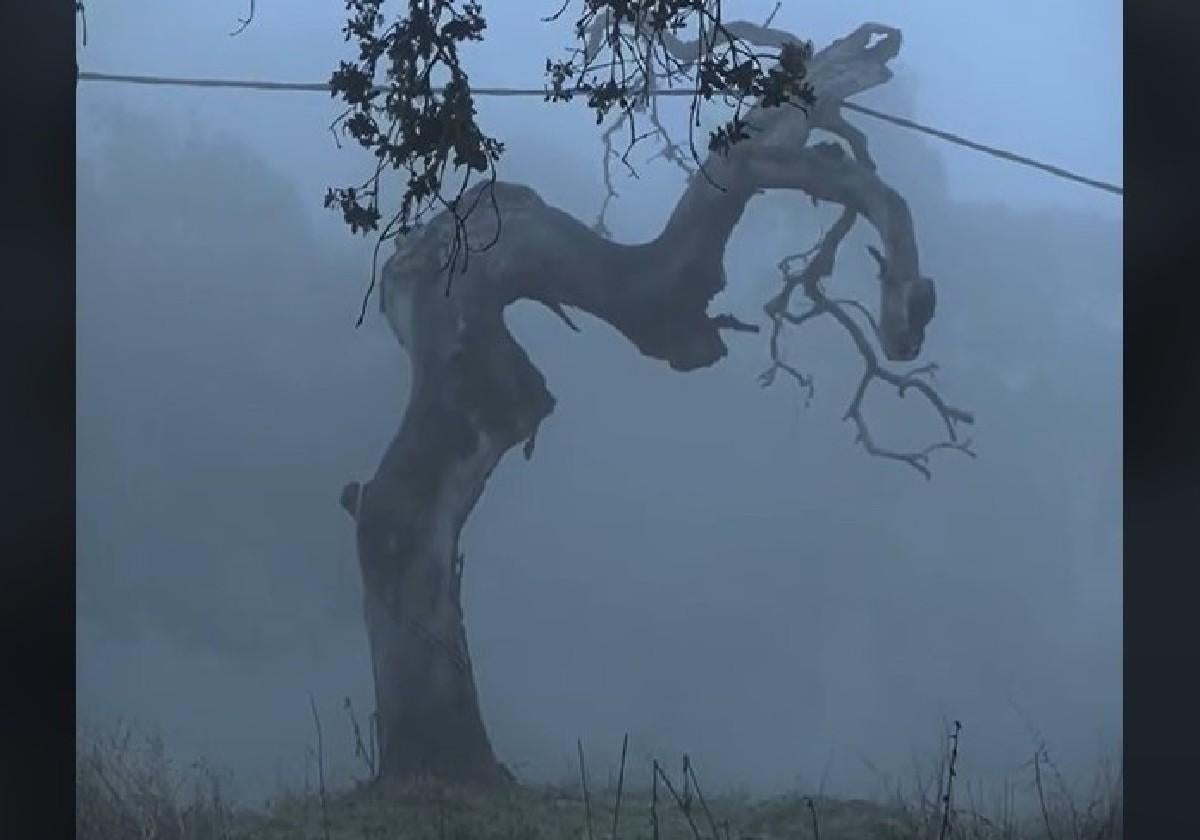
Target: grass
<point>127,788</point>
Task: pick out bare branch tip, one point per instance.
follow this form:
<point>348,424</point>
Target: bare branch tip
<point>244,23</point>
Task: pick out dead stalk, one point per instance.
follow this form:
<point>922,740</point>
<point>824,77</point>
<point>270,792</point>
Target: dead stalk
<point>587,802</point>
<point>620,785</point>
<point>320,766</point>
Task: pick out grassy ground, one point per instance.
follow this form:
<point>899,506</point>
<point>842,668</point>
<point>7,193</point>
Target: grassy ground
<point>546,814</point>
<point>126,788</point>
<point>543,813</point>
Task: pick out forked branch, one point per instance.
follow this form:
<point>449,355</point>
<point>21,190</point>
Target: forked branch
<point>818,264</point>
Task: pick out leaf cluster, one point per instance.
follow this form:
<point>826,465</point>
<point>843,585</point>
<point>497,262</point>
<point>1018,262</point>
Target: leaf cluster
<point>409,102</point>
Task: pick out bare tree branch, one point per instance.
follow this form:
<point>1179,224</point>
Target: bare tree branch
<point>819,263</point>
<point>244,23</point>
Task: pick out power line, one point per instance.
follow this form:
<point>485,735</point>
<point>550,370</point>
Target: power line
<point>1057,171</point>
<point>317,87</point>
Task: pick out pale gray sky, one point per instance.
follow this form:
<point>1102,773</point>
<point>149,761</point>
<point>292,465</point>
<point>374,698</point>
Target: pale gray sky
<point>1040,78</point>
<point>705,564</point>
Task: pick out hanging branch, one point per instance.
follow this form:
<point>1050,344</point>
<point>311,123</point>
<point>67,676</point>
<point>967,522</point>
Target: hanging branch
<point>951,774</point>
<point>818,264</point>
<point>245,22</point>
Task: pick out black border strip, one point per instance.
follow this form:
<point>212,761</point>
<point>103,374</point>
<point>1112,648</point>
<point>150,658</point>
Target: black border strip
<point>1162,424</point>
<point>37,569</point>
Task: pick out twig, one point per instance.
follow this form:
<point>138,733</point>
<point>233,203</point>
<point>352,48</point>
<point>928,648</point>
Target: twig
<point>687,785</point>
<point>812,811</point>
<point>1037,778</point>
<point>819,264</point>
<point>952,771</point>
<point>654,801</point>
<point>587,802</point>
<point>620,785</point>
<point>244,22</point>
<point>1064,790</point>
<point>360,749</point>
<point>703,804</point>
<point>1108,829</point>
<point>320,766</point>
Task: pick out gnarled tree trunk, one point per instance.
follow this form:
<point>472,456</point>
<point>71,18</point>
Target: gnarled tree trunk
<point>475,393</point>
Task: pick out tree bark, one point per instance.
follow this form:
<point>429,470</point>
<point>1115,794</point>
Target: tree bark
<point>475,394</point>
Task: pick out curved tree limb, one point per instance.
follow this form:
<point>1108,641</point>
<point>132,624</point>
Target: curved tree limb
<point>835,122</point>
<point>244,23</point>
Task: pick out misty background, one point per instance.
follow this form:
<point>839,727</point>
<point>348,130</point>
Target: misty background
<point>707,565</point>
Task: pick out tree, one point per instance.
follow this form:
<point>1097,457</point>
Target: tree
<point>476,394</point>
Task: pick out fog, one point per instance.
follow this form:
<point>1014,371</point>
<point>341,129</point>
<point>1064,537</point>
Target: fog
<point>712,567</point>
